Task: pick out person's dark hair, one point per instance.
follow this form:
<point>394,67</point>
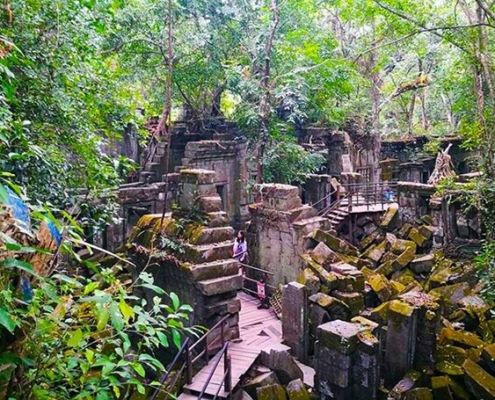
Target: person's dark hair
<point>241,239</point>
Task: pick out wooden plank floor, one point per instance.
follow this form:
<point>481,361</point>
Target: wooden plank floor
<point>258,330</point>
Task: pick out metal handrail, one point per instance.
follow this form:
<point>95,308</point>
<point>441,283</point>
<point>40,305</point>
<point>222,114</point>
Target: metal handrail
<point>333,206</point>
<point>226,380</point>
<point>324,198</point>
<point>256,269</point>
<point>170,368</point>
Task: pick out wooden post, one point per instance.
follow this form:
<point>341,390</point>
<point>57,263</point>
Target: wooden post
<point>221,334</point>
<point>228,372</point>
<point>189,365</point>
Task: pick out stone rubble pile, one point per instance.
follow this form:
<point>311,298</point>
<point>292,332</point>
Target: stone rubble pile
<point>277,376</point>
<point>394,319</point>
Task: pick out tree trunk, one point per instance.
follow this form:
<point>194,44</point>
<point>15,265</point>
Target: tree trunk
<point>265,107</point>
<point>166,116</point>
<point>376,83</point>
<point>424,114</point>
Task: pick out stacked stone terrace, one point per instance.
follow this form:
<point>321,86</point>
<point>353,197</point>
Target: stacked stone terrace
<point>203,274</point>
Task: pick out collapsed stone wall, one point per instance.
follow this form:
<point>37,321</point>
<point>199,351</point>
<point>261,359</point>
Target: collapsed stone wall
<point>276,234</point>
<point>391,318</point>
<point>228,159</point>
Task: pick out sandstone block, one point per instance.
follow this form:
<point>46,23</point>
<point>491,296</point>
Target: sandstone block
<point>266,379</point>
<point>390,218</point>
<point>309,279</point>
<point>381,286</point>
<point>197,176</point>
<point>423,264</point>
<point>323,255</point>
<point>427,231</point>
<point>212,287</point>
<point>203,235</point>
<point>338,335</point>
<point>440,386</point>
<point>400,246</point>
<point>488,356</point>
<point>417,237</point>
<point>271,392</point>
<point>336,244</point>
<point>326,356</point>
<point>404,259</point>
<point>230,306</point>
<point>297,391</point>
<point>375,253</point>
<point>404,230</point>
<point>479,382</point>
<point>326,277</point>
<point>284,365</point>
<point>280,197</point>
<point>215,269</point>
<point>354,300</point>
<point>405,385</point>
<point>210,204</point>
<point>459,338</point>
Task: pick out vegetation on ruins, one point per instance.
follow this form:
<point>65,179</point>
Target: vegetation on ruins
<point>77,74</point>
<point>66,336</point>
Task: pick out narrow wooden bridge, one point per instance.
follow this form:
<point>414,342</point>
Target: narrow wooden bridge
<point>259,330</point>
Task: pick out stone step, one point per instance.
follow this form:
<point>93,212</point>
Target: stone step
<point>340,212</point>
<point>152,167</point>
<point>225,284</point>
<point>202,235</point>
<point>310,224</point>
<point>208,252</point>
<point>157,159</point>
<point>306,211</point>
<point>210,204</point>
<point>215,269</point>
<point>218,219</point>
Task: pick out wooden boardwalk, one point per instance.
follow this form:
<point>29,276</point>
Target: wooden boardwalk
<point>259,329</point>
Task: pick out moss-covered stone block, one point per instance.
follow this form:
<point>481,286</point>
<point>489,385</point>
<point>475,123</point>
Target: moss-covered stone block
<point>418,238</point>
<point>376,252</point>
<point>460,338</point>
<point>385,269</point>
<point>423,264</point>
<point>340,336</point>
<point>400,246</point>
<point>404,259</point>
<point>323,255</point>
<point>390,218</point>
<point>326,278</point>
<point>309,279</point>
<point>354,300</point>
<point>479,382</point>
<point>440,386</point>
<point>336,244</point>
<point>404,230</point>
<point>381,286</point>
<point>297,391</point>
<point>271,392</point>
<point>427,231</point>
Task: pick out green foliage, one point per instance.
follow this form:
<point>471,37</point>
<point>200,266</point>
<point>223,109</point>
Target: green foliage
<point>71,337</point>
<point>485,269</point>
<point>287,162</point>
<point>61,102</point>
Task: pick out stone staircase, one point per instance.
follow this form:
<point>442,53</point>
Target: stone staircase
<point>153,170</point>
<point>336,218</point>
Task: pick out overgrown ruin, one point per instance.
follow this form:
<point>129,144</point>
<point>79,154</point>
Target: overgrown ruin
<point>380,296</point>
